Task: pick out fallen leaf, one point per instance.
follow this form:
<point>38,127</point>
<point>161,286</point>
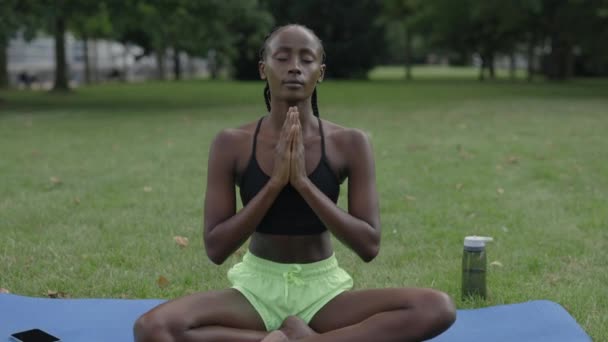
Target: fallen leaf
<point>76,200</point>
<point>147,188</point>
<point>55,180</point>
<point>410,198</point>
<point>181,241</point>
<point>459,186</point>
<point>500,191</point>
<point>162,282</point>
<point>57,294</point>
<point>496,263</point>
<point>3,290</point>
<point>512,159</point>
<point>169,143</point>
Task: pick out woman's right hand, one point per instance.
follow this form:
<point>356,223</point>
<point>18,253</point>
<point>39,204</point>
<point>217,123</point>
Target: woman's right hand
<point>280,172</point>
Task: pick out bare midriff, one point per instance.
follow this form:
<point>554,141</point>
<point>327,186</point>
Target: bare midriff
<point>291,249</point>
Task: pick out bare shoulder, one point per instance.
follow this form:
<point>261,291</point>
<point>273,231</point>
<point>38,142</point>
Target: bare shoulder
<point>346,139</point>
<point>233,138</point>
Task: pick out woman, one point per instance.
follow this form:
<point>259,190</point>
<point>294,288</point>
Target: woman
<point>289,165</point>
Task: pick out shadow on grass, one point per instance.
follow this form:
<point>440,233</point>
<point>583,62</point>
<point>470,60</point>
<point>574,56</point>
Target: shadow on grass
<point>173,97</point>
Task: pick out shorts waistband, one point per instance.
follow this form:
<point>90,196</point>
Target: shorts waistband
<point>307,270</point>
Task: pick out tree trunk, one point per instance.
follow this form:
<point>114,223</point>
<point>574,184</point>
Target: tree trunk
<point>177,65</point>
<point>95,65</point>
<point>569,62</point>
<point>512,66</point>
<point>87,61</point>
<point>558,59</point>
<point>61,65</point>
<point>408,54</point>
<point>531,60</point>
<point>125,67</point>
<point>482,67</point>
<point>491,67</point>
<point>3,63</point>
<point>160,62</point>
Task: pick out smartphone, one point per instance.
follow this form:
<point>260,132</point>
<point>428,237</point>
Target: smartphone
<point>34,335</point>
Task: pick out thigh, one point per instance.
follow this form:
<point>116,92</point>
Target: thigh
<point>227,308</point>
<point>352,307</point>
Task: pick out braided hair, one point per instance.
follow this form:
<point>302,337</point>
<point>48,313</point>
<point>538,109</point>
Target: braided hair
<point>313,100</point>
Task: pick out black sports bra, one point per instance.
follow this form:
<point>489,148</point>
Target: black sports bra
<point>289,214</point>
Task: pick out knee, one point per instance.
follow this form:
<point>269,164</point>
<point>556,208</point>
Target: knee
<point>151,327</point>
<point>440,310</point>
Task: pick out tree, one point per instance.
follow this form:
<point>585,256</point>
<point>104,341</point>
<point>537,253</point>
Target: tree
<point>96,25</point>
<point>14,16</point>
<point>403,14</point>
<point>354,42</point>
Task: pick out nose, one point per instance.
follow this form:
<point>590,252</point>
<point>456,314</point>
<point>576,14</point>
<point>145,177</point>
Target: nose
<point>295,66</point>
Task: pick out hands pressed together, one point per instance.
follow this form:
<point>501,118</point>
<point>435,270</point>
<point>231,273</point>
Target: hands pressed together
<point>289,165</point>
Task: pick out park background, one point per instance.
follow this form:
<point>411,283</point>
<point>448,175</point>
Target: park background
<point>486,117</point>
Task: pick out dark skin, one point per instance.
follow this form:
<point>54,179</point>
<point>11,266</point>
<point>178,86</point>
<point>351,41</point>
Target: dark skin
<point>289,149</point>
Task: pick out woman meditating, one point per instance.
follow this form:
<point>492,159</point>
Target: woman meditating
<point>289,165</point>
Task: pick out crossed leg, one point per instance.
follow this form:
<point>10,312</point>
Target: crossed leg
<point>380,315</point>
<point>366,315</point>
<point>210,316</point>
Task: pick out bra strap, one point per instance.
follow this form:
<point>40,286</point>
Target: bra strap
<point>322,138</point>
<point>255,136</point>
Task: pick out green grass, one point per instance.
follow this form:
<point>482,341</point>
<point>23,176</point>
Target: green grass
<point>421,72</point>
<point>443,150</point>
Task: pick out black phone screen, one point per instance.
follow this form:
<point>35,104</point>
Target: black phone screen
<point>34,335</point>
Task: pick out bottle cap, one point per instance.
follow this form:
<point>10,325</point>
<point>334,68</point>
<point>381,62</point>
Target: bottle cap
<point>476,241</point>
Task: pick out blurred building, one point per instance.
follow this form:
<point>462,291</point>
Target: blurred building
<point>108,61</point>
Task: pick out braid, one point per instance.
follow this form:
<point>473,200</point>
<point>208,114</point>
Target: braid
<point>313,101</point>
<point>267,96</point>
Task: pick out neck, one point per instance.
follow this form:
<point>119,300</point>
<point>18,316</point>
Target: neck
<point>278,113</point>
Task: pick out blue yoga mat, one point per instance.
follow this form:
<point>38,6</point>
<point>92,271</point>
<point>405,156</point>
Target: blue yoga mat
<point>111,320</point>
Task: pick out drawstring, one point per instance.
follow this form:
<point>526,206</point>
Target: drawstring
<point>292,277</point>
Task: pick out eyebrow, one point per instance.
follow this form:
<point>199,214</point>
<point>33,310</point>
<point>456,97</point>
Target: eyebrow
<point>289,48</point>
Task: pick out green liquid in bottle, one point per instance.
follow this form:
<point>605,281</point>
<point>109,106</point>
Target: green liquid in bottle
<point>474,272</point>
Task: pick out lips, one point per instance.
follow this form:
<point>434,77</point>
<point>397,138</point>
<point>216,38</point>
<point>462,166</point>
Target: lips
<point>293,82</point>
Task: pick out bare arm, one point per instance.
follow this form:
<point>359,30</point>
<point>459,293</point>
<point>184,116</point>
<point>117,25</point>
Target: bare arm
<point>359,228</point>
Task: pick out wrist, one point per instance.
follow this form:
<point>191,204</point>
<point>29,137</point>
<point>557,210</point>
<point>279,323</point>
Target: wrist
<point>301,183</point>
<point>274,186</point>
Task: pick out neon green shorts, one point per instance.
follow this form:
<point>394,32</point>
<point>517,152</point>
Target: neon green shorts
<point>278,290</point>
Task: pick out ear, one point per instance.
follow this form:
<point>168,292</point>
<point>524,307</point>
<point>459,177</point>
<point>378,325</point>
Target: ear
<point>261,69</point>
<point>321,73</point>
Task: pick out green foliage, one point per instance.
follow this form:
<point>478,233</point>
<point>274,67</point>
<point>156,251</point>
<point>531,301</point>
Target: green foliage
<point>353,43</point>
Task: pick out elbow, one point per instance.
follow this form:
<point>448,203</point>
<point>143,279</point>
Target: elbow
<point>216,257</point>
<point>213,253</point>
<point>370,253</point>
<point>371,250</point>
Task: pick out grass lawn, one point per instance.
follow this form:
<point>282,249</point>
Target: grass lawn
<point>95,185</point>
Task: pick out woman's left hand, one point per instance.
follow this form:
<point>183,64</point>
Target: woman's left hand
<point>298,165</point>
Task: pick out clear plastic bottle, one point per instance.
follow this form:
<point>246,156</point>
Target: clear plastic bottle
<point>474,266</point>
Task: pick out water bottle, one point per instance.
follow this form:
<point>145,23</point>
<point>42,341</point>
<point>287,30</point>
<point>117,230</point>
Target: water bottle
<point>474,266</point>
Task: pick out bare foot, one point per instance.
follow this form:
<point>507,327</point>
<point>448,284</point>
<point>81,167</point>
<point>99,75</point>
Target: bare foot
<point>276,336</point>
<point>295,328</point>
